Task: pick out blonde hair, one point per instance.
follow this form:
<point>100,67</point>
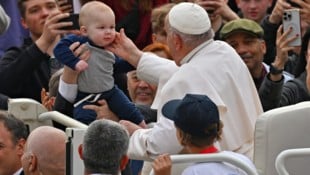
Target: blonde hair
<point>89,10</point>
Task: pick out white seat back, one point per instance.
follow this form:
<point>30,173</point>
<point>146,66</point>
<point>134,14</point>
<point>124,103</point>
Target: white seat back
<point>34,114</point>
<point>181,161</point>
<point>287,154</point>
<point>28,111</point>
<point>280,129</point>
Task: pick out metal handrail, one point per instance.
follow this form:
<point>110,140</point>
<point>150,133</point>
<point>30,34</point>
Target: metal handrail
<point>61,118</point>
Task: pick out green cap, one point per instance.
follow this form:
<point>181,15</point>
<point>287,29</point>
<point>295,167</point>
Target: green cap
<point>241,25</point>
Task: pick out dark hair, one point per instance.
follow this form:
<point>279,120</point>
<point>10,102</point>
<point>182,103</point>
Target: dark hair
<point>301,64</point>
<point>15,126</point>
<point>21,7</point>
<point>213,133</point>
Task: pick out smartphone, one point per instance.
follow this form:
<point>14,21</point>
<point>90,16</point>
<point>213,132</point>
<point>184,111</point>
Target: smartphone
<point>291,18</point>
<point>74,18</point>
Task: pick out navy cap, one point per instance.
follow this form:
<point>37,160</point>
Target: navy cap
<point>192,114</point>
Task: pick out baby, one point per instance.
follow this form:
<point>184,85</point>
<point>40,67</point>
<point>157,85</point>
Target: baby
<point>95,82</point>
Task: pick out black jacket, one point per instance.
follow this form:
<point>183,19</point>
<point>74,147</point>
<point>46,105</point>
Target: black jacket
<point>277,94</point>
<point>24,71</point>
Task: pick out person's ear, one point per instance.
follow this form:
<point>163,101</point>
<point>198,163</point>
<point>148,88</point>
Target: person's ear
<point>20,147</point>
<point>80,150</point>
<point>83,30</point>
<point>178,42</point>
<point>24,24</point>
<point>124,162</point>
<point>32,163</point>
<point>263,47</point>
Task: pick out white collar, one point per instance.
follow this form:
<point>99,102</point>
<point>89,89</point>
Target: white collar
<point>18,172</point>
<point>190,55</point>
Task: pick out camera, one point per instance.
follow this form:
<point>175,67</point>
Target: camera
<point>291,19</point>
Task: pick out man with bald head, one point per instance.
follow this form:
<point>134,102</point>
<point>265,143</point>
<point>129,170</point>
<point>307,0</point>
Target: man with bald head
<point>45,152</point>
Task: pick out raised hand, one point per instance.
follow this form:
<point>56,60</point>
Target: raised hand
<point>125,48</point>
<point>47,101</point>
<point>102,110</point>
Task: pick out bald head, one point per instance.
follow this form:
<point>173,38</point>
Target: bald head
<point>47,144</point>
<point>90,11</point>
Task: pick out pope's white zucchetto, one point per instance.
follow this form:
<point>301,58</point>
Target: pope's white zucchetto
<point>189,18</point>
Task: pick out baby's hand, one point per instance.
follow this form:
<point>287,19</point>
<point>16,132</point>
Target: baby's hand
<point>81,66</point>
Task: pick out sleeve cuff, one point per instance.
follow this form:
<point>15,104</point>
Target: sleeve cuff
<point>68,91</point>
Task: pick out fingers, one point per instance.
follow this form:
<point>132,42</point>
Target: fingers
<point>162,165</point>
<point>64,7</point>
<point>85,55</point>
<point>74,46</point>
<point>80,50</point>
<point>43,91</point>
<point>91,107</point>
<point>122,33</point>
<point>54,21</point>
<point>102,102</point>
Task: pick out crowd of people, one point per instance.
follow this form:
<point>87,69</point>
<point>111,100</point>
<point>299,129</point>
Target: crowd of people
<point>151,78</point>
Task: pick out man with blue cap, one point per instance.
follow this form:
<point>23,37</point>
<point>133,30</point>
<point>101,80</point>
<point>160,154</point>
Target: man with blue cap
<point>198,126</point>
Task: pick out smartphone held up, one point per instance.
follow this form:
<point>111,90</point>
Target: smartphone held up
<point>291,20</point>
<point>74,18</point>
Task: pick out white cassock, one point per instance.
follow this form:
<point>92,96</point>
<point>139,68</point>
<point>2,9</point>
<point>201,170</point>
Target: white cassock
<point>213,69</point>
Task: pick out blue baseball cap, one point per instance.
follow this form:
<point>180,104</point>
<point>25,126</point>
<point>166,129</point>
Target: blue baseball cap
<point>192,114</point>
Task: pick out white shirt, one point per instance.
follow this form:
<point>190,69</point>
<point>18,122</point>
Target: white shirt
<point>18,172</point>
<point>213,69</point>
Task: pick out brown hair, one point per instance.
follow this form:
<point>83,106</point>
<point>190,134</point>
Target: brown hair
<point>157,47</point>
<point>21,7</point>
<point>158,18</point>
<point>212,134</point>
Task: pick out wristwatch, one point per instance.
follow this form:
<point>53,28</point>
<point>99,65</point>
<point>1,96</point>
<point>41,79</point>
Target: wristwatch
<point>274,70</point>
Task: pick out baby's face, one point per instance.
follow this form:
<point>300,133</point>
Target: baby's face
<point>101,29</point>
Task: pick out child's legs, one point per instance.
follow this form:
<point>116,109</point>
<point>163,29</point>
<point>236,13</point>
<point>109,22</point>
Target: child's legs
<point>120,104</point>
<point>83,115</point>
